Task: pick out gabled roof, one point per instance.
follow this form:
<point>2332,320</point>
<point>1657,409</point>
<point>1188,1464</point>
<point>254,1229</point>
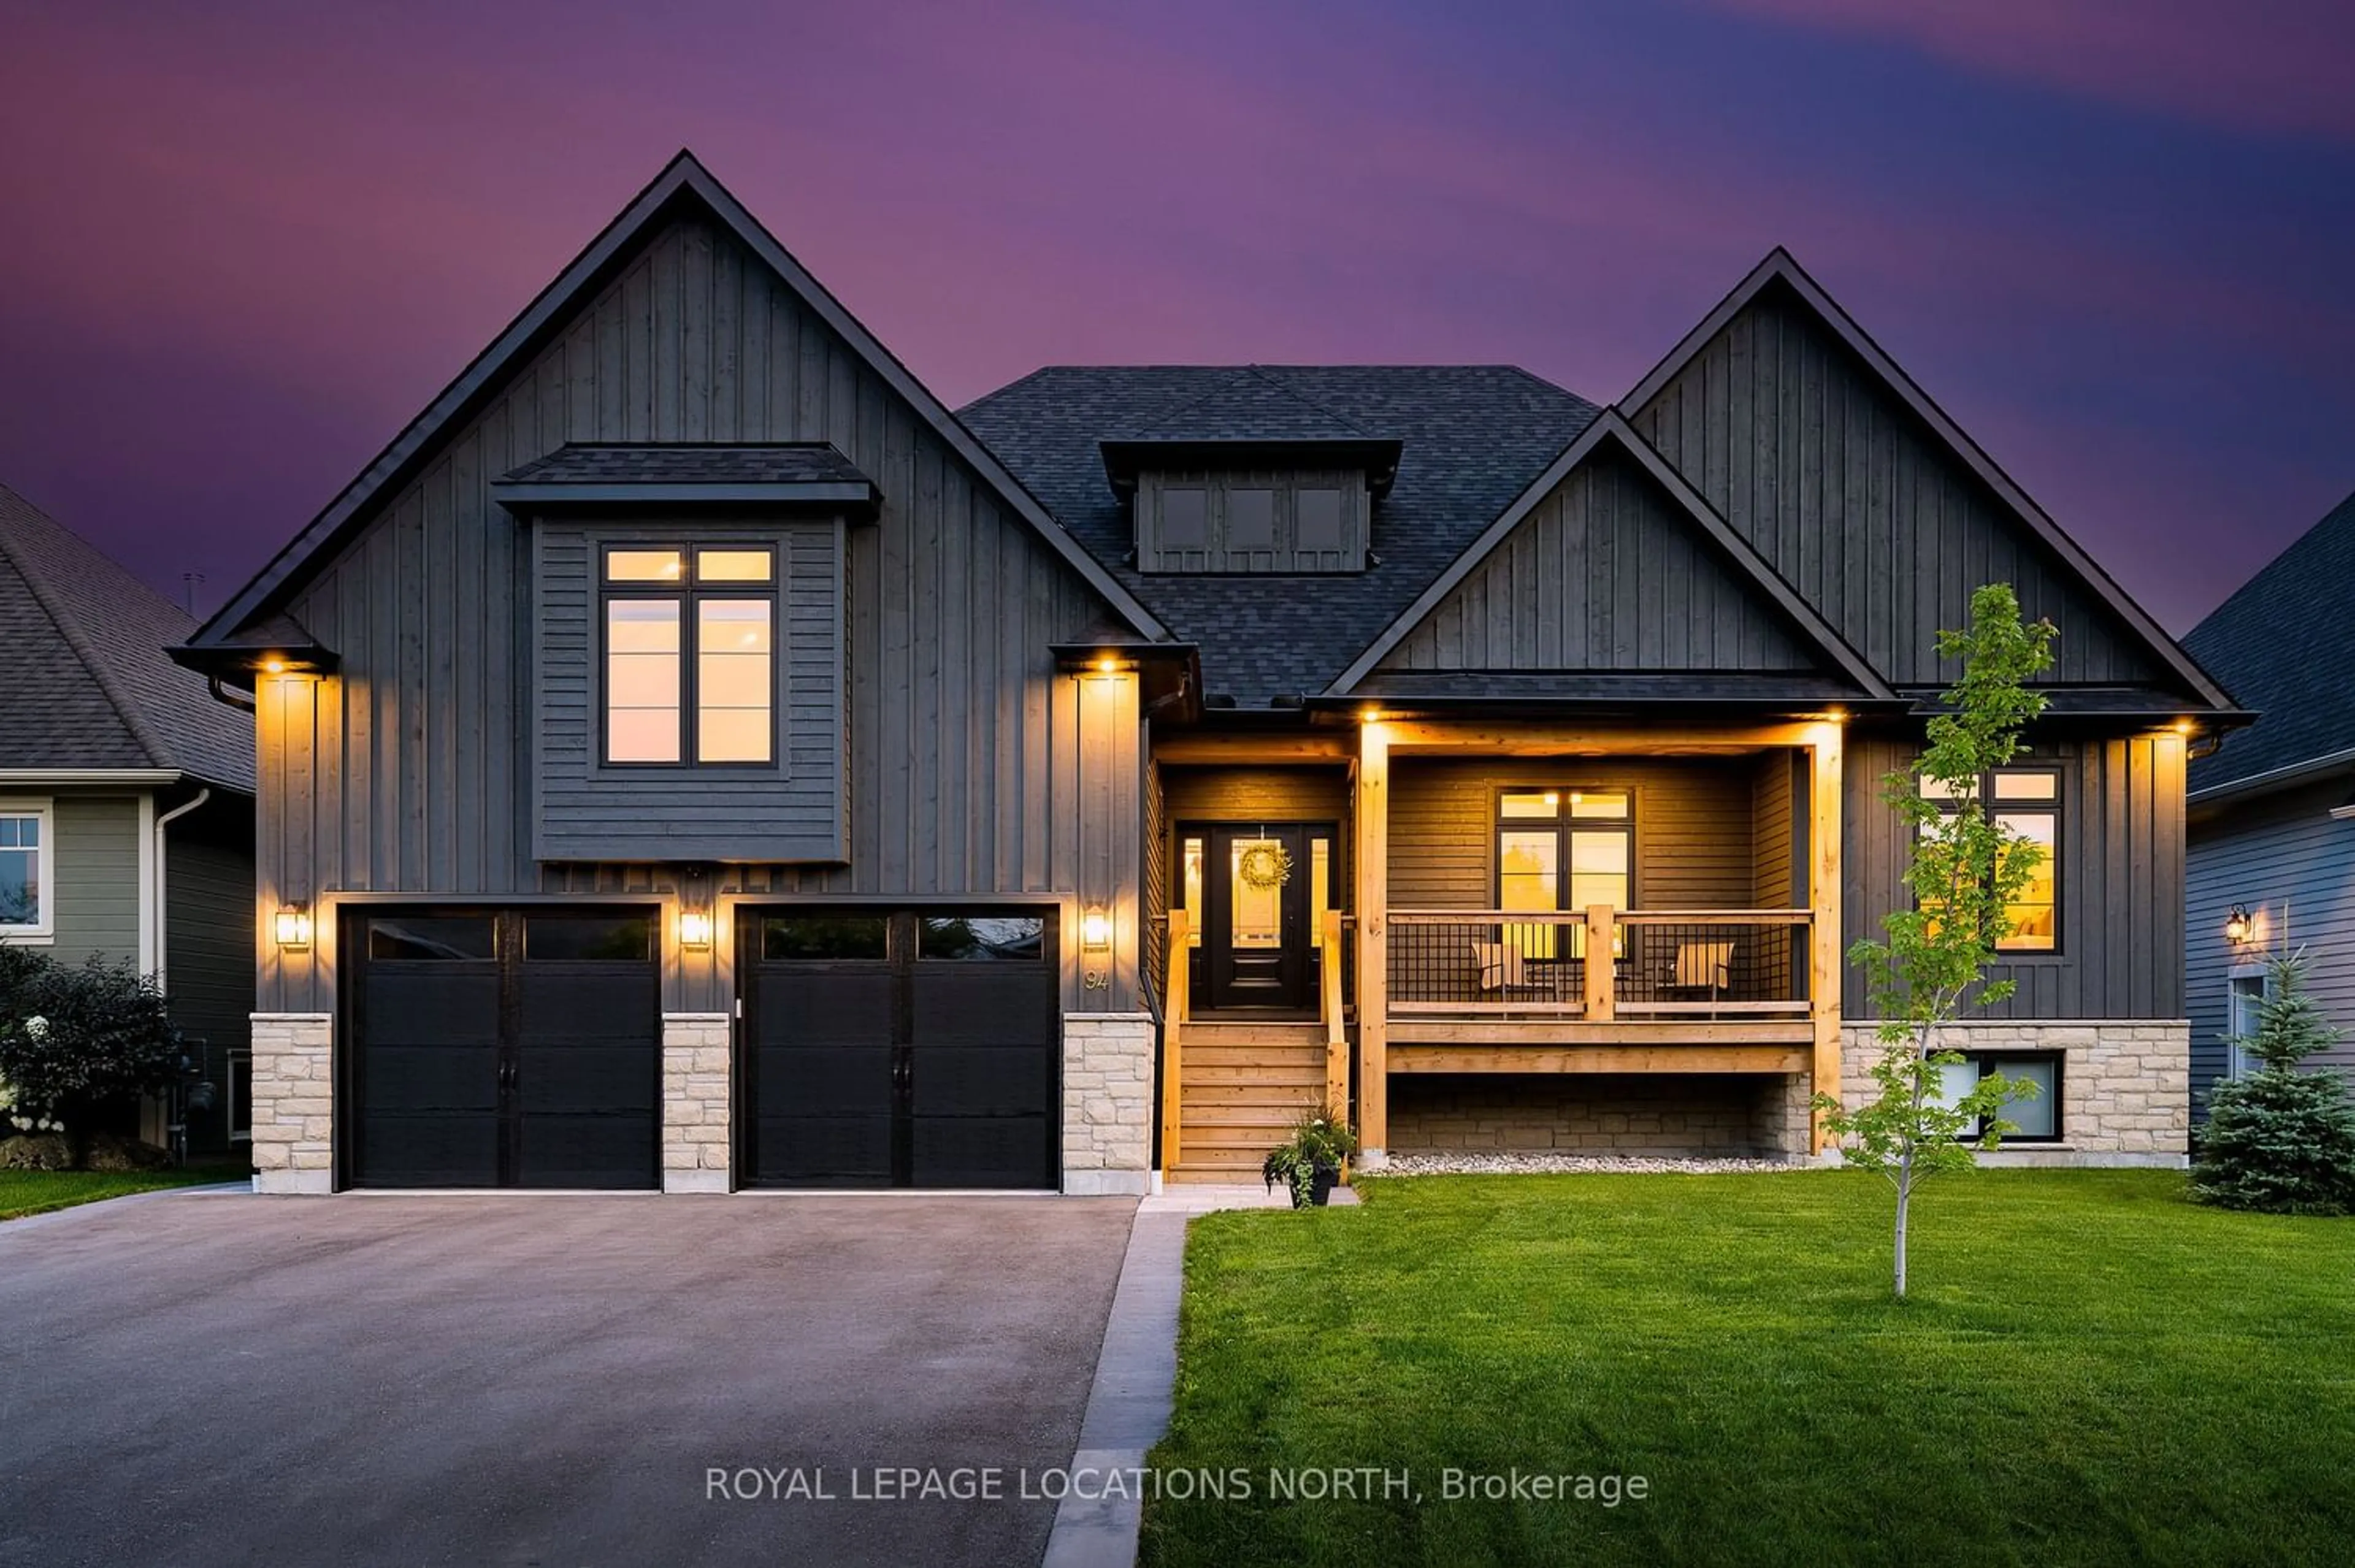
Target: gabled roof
<point>1611,429</point>
<point>683,180</point>
<point>89,687</point>
<point>2285,642</point>
<point>1471,436</point>
<point>1781,268</point>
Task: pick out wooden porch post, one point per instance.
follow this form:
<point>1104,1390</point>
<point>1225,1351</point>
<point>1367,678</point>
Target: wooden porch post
<point>1601,970</point>
<point>1175,1004</point>
<point>1824,761</point>
<point>1373,839</point>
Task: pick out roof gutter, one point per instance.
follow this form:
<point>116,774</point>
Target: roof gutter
<point>12,776</point>
<point>2276,778</point>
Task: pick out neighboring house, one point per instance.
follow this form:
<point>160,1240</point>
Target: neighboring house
<point>2272,864</point>
<point>126,798</point>
<point>695,756</point>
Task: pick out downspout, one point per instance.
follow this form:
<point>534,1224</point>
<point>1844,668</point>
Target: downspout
<point>163,878</point>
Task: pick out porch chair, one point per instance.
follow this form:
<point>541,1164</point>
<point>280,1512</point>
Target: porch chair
<point>1705,966</point>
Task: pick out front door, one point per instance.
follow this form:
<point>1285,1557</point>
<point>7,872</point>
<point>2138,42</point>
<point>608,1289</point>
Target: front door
<point>1261,888</point>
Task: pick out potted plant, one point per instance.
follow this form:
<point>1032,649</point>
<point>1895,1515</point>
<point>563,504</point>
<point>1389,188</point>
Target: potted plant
<point>1308,1162</point>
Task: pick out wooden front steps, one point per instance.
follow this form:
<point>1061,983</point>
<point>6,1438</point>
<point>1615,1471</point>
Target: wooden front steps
<point>1240,1086</point>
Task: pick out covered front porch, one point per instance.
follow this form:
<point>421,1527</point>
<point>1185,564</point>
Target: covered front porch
<point>1510,905</point>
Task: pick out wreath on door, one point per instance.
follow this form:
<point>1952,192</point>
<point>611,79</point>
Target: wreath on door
<point>1265,866</point>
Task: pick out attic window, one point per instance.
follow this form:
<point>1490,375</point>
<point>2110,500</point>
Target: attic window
<point>1266,519</point>
<point>1185,518</point>
<point>1251,519</point>
<point>1316,520</point>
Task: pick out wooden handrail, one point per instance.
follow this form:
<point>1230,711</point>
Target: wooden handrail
<point>1621,917</point>
<point>1336,1032</point>
<point>1173,1028</point>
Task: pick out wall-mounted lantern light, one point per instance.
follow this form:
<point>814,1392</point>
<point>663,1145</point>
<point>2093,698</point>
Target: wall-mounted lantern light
<point>695,922</point>
<point>1095,929</point>
<point>2239,927</point>
<point>291,927</point>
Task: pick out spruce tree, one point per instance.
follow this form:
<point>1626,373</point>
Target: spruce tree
<point>2280,1140</point>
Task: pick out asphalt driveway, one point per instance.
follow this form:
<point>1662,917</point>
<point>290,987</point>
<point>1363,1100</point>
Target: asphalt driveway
<point>219,1378</point>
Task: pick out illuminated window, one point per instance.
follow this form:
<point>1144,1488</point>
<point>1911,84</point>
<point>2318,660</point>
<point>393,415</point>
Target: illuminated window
<point>2026,802</point>
<point>1560,850</point>
<point>690,656</point>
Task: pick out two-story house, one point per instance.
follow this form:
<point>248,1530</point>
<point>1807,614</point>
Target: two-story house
<point>692,754</point>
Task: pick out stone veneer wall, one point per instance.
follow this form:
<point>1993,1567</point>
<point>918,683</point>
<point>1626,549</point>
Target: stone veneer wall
<point>695,1070</point>
<point>1108,1108</point>
<point>2126,1084</point>
<point>1715,1115</point>
<point>294,1102</point>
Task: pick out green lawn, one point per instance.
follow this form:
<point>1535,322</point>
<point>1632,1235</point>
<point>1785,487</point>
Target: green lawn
<point>2092,1370</point>
<point>24,1193</point>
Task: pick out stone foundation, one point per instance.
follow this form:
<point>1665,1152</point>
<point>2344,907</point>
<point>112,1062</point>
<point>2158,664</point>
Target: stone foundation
<point>1701,1116</point>
<point>694,1069</point>
<point>2126,1085</point>
<point>294,1102</point>
<point>1107,1102</point>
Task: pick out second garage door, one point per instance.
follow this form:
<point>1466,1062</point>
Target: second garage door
<point>901,1049</point>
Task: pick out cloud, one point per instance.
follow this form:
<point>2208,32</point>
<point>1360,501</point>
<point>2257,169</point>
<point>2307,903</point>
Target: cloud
<point>2272,66</point>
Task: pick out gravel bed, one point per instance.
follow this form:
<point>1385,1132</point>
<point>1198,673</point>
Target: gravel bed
<point>1501,1162</point>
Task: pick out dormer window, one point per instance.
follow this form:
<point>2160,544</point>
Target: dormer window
<point>1291,503</point>
<point>1204,521</point>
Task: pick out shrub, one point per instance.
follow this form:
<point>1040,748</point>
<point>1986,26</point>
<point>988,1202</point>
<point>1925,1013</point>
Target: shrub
<point>2280,1140</point>
<point>74,1040</point>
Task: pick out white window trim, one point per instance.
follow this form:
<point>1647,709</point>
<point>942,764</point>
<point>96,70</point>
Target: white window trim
<point>43,933</point>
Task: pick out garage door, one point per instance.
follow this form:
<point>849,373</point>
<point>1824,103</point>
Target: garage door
<point>503,1047</point>
<point>907,1049</point>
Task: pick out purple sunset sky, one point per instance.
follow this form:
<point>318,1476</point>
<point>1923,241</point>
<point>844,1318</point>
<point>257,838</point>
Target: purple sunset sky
<point>242,243</point>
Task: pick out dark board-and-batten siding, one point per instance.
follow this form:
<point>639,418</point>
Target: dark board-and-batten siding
<point>1856,505</point>
<point>2121,953</point>
<point>1605,574</point>
<point>2291,864</point>
<point>410,771</point>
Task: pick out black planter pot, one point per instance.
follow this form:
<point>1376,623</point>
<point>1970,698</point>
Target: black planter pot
<point>1322,1181</point>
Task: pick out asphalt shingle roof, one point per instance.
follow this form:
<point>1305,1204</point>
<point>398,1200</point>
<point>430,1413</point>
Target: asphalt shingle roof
<point>1474,436</point>
<point>2284,645</point>
<point>88,685</point>
<point>791,462</point>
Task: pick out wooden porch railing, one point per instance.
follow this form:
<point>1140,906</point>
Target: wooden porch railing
<point>1714,963</point>
<point>1176,1006</point>
<point>1336,1029</point>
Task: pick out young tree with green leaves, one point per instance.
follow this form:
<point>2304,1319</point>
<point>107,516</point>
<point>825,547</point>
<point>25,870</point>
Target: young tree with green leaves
<point>1966,871</point>
<point>2281,1141</point>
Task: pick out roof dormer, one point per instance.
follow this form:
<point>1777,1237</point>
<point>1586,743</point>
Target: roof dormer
<point>1251,477</point>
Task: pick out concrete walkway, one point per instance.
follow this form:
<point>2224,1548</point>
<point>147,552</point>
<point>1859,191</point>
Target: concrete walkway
<point>1128,1409</point>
